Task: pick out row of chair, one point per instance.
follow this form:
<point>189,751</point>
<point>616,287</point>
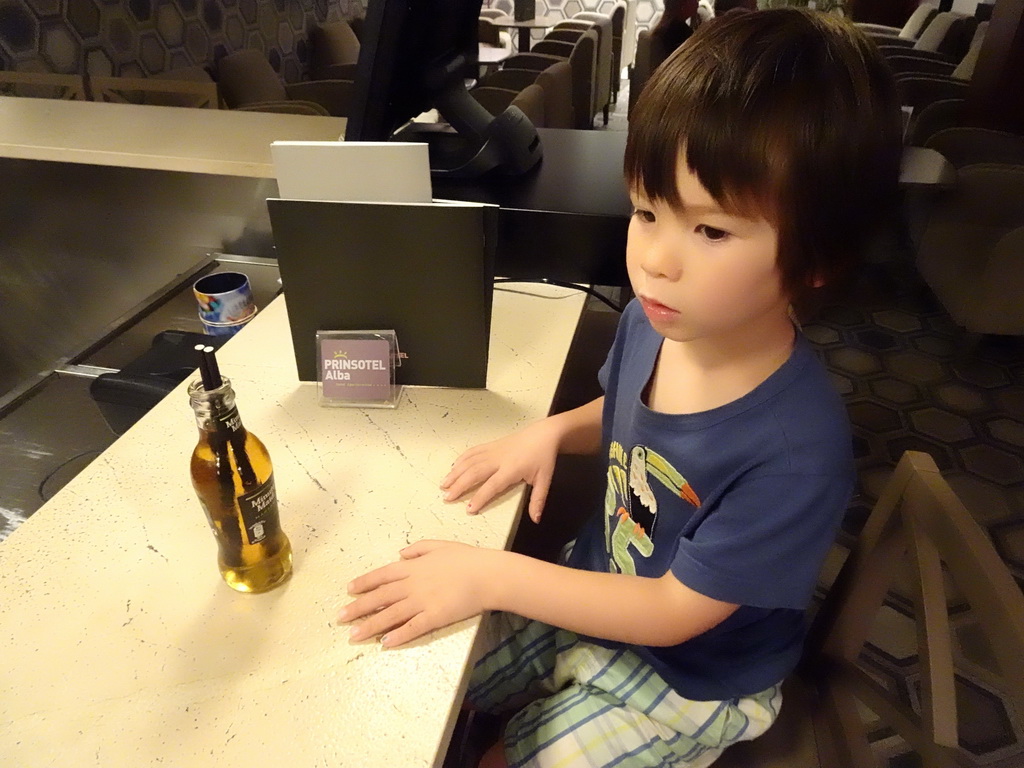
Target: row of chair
<point>245,80</point>
<point>575,69</point>
<point>967,241</point>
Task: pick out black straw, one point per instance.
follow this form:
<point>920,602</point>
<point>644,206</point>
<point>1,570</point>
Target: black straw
<point>204,367</point>
<point>211,359</point>
<point>208,368</point>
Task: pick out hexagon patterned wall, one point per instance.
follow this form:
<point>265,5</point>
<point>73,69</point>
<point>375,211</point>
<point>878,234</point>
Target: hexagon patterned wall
<point>136,38</point>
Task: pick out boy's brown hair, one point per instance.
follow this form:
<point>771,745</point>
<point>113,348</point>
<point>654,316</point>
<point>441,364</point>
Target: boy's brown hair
<point>788,114</point>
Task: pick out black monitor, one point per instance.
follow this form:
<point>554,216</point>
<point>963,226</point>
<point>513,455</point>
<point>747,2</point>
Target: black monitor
<point>414,56</point>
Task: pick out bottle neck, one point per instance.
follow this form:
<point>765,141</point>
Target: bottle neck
<point>215,408</point>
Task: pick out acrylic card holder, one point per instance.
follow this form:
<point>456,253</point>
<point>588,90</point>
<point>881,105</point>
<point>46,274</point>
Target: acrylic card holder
<point>356,369</point>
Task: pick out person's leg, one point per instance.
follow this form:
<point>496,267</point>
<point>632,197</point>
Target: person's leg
<point>616,711</point>
<point>494,757</point>
<point>519,665</point>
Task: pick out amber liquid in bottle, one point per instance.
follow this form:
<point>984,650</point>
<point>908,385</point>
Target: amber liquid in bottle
<point>233,477</point>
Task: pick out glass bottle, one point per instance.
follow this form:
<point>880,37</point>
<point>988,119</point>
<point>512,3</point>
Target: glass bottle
<point>233,477</point>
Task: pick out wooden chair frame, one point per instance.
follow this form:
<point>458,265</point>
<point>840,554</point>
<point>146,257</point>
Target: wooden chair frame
<point>918,520</point>
<point>67,87</point>
<point>115,89</point>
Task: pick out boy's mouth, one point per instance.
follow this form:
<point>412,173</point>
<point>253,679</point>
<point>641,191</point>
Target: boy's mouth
<point>655,310</point>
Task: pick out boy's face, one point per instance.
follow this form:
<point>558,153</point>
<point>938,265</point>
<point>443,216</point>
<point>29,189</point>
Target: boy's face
<point>699,272</point>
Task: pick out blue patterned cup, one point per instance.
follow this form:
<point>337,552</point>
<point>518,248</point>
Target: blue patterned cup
<point>213,328</point>
<point>224,297</point>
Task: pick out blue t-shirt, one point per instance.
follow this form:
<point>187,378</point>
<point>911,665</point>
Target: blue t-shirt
<point>740,502</point>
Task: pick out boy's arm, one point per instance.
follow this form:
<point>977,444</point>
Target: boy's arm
<point>438,583</point>
<point>527,455</point>
<point>631,609</point>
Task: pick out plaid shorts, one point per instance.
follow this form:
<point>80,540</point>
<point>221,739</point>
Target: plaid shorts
<point>580,704</point>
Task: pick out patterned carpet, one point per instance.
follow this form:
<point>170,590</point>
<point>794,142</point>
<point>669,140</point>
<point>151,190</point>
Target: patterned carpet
<point>913,380</point>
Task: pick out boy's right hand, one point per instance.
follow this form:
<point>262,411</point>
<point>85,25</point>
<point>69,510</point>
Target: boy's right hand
<point>524,456</point>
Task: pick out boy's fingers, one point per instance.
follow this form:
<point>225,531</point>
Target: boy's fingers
<point>468,479</point>
<point>539,495</point>
<point>483,496</point>
<point>485,493</point>
<point>369,603</point>
<point>376,578</point>
<point>420,548</point>
<point>378,623</point>
<point>415,627</point>
<point>464,460</point>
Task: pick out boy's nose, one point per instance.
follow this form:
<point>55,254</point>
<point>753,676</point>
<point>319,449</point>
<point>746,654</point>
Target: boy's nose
<point>660,259</point>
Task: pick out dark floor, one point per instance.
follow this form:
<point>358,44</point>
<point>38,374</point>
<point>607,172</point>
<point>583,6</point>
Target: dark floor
<point>55,432</point>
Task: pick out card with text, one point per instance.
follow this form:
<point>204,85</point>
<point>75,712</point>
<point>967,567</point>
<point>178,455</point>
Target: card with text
<point>357,368</point>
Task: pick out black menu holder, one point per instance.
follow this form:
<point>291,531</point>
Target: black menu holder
<point>424,270</point>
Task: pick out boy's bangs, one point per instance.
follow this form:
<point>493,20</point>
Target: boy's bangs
<point>739,171</point>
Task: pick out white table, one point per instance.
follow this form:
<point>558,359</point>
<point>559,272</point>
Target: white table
<point>525,26</point>
<point>215,141</point>
<point>121,645</point>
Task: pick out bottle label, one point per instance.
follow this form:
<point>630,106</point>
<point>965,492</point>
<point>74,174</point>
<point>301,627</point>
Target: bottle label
<point>259,512</point>
<point>229,419</point>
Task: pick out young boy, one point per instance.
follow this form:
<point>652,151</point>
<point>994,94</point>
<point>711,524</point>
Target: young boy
<point>761,157</point>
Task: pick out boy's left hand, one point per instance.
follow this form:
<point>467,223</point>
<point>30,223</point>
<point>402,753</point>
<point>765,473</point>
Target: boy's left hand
<point>436,583</point>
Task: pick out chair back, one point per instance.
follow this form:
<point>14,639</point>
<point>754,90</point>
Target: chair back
<point>629,34</point>
<point>564,35</point>
<point>618,15</point>
<point>357,23</point>
<point>487,33</point>
<point>948,33</point>
<point>650,53</point>
<point>641,66</point>
<point>555,79</point>
<point>917,22</point>
<point>583,62</point>
<point>331,44</point>
<point>560,48</point>
<point>531,60</point>
<point>965,69</point>
<point>618,18</point>
<point>42,85</point>
<point>615,19</point>
<point>918,522</point>
<point>246,77</point>
<point>510,77</point>
<point>557,83</point>
<point>496,100</point>
<point>921,537</point>
<point>935,117</point>
<point>602,25</point>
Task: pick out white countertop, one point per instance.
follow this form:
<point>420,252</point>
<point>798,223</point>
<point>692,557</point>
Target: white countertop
<point>123,647</point>
<point>218,141</point>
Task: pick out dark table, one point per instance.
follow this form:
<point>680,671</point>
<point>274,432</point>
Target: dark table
<point>565,219</point>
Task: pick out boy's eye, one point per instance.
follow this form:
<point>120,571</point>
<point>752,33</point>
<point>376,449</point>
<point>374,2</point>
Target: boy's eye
<point>643,215</point>
<point>713,234</point>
